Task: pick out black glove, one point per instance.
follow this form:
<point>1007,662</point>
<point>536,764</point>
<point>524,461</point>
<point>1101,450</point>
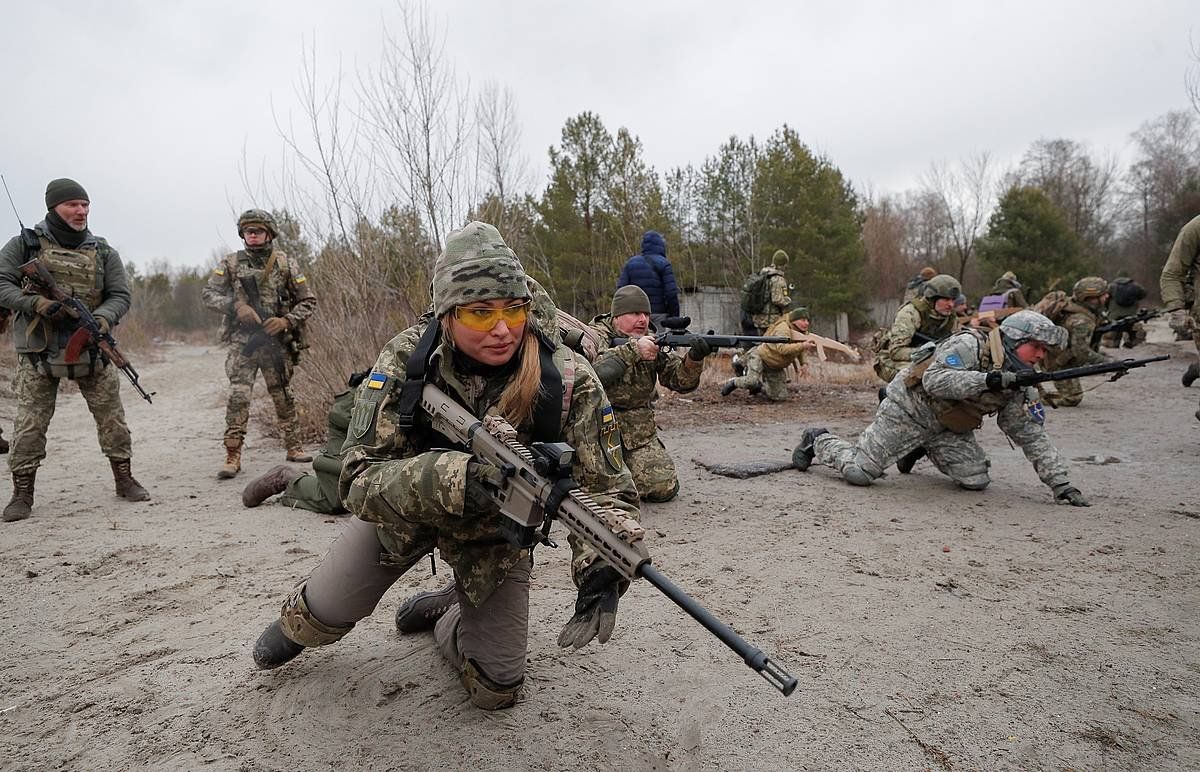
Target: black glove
<point>482,482</point>
<point>1071,496</point>
<point>699,350</point>
<point>999,380</point>
<point>595,608</point>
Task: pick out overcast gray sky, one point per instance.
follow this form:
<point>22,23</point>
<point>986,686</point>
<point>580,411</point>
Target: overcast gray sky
<point>151,105</point>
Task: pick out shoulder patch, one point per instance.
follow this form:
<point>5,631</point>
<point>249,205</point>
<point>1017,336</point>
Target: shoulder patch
<point>300,278</point>
<point>954,360</point>
<point>219,271</point>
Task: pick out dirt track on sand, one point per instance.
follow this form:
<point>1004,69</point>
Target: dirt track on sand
<point>929,627</point>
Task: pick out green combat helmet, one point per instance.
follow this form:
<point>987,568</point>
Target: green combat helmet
<point>257,217</point>
<point>941,286</point>
<point>1089,288</point>
<point>1030,325</point>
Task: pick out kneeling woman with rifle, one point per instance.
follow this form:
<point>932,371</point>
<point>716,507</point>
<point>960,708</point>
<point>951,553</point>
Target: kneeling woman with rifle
<point>490,351</point>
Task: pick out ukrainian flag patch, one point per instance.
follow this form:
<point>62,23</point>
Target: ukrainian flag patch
<point>606,417</point>
<point>300,278</point>
<point>219,271</point>
<point>376,381</point>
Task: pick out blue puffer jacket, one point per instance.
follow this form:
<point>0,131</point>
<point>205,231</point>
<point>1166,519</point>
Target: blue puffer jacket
<point>651,270</point>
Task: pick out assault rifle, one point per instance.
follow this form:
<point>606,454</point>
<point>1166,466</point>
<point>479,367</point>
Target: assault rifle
<point>1119,369</point>
<point>89,332</point>
<point>537,490</point>
<point>260,338</point>
<point>676,335</point>
<point>1123,325</point>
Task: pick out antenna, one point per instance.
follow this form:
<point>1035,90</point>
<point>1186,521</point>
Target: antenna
<point>11,202</point>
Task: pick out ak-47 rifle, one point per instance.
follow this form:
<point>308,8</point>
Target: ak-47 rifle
<point>536,490</point>
<point>1123,325</point>
<point>260,337</point>
<point>1119,369</point>
<point>89,333</point>
<point>676,335</point>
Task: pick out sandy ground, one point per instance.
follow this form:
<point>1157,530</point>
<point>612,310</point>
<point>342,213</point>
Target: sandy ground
<point>929,627</point>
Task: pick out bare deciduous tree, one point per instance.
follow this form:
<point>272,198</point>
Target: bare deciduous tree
<point>965,193</point>
<point>1082,187</point>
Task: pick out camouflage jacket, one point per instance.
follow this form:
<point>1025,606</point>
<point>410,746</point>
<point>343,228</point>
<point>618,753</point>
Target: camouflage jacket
<point>632,383</point>
<point>105,289</point>
<point>284,293</point>
<point>778,356</point>
<point>955,380</point>
<point>914,317</point>
<point>1080,321</point>
<point>1180,268</point>
<point>415,489</point>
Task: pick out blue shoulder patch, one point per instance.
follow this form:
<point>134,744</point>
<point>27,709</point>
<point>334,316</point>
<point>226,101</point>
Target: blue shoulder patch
<point>954,360</point>
<point>1037,411</point>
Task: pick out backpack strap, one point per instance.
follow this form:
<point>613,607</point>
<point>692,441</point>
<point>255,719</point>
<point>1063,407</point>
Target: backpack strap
<point>551,399</point>
<point>414,372</point>
<point>996,347</point>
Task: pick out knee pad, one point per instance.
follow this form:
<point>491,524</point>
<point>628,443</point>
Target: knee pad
<point>301,626</point>
<point>485,693</point>
<point>855,475</point>
<point>975,482</point>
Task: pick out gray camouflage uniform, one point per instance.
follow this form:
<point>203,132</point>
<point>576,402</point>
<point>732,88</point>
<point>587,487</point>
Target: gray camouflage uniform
<point>909,418</point>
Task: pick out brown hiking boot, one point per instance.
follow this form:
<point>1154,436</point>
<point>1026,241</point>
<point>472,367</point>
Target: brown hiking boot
<point>127,487</point>
<point>267,485</point>
<point>21,505</point>
<point>233,460</point>
<point>421,612</point>
<point>297,455</point>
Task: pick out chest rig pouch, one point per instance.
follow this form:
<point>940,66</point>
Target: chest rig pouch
<point>76,272</point>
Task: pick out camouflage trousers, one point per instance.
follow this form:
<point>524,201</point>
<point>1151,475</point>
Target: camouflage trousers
<point>892,435</point>
<point>1068,393</point>
<point>648,461</point>
<point>1134,337</point>
<point>241,371</point>
<point>772,381</point>
<point>490,638</point>
<point>307,492</point>
<point>37,394</point>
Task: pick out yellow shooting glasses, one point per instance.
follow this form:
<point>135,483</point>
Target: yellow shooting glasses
<point>484,319</point>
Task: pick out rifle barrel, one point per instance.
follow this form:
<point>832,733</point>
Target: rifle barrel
<point>758,661</point>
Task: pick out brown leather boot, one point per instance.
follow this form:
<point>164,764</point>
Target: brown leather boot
<point>298,456</point>
<point>127,487</point>
<point>267,485</point>
<point>21,505</point>
<point>233,459</point>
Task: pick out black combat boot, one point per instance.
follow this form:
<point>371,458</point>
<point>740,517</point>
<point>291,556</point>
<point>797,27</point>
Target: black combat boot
<point>273,648</point>
<point>905,464</point>
<point>1190,375</point>
<point>728,387</point>
<point>127,487</point>
<point>802,456</point>
<point>21,505</point>
<point>421,612</point>
<point>882,394</point>
<point>3,445</point>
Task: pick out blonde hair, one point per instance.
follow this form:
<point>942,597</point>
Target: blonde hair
<point>519,398</point>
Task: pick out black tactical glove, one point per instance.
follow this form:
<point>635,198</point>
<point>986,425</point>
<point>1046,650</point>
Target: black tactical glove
<point>999,380</point>
<point>595,608</point>
<point>699,350</point>
<point>1071,496</point>
<point>482,482</point>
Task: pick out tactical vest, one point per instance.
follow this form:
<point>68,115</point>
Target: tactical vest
<point>963,416</point>
<point>274,292</point>
<point>77,272</point>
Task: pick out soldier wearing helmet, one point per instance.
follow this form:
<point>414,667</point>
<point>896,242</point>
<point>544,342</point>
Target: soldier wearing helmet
<point>1178,282</point>
<point>925,319</point>
<point>265,300</point>
<point>1083,313</point>
<point>938,402</point>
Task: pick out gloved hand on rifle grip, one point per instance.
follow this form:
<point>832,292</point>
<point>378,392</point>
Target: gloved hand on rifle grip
<point>51,309</point>
<point>482,481</point>
<point>699,350</point>
<point>246,314</point>
<point>104,325</point>
<point>999,380</point>
<point>595,608</point>
<point>276,325</point>
<point>1181,319</point>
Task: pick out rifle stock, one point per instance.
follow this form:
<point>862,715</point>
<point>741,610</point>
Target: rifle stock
<point>537,490</point>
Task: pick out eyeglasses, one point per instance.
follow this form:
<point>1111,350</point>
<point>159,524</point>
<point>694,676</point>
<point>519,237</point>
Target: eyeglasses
<point>253,231</point>
<point>484,319</point>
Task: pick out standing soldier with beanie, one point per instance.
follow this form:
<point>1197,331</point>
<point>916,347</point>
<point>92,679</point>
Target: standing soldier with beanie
<point>265,300</point>
<point>84,265</point>
<point>630,373</point>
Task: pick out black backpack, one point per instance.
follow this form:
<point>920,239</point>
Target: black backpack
<point>756,293</point>
<point>1125,292</point>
